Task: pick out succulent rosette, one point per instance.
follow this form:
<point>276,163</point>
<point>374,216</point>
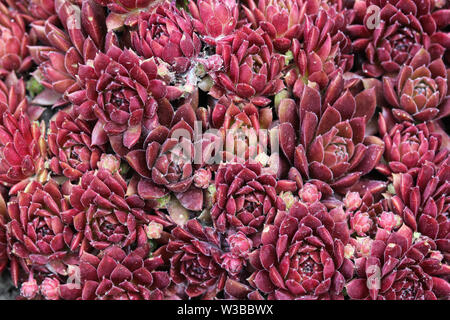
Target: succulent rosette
<point>167,33</point>
<point>49,289</point>
<point>400,267</point>
<point>71,147</point>
<point>419,90</point>
<point>302,255</point>
<point>38,239</point>
<point>214,20</point>
<point>14,53</point>
<point>397,34</point>
<point>251,68</point>
<point>421,199</point>
<point>69,38</point>
<point>195,260</point>
<point>239,127</point>
<point>246,198</point>
<point>281,19</point>
<point>40,9</point>
<point>121,91</point>
<point>122,275</point>
<point>408,146</point>
<point>332,145</point>
<point>23,151</point>
<point>171,158</point>
<point>323,51</point>
<point>103,214</point>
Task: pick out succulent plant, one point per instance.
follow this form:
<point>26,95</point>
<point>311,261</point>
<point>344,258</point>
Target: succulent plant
<point>403,28</point>
<point>400,267</point>
<point>302,255</point>
<point>30,288</point>
<point>332,145</point>
<point>419,90</point>
<point>408,146</point>
<point>71,147</point>
<point>14,53</point>
<point>420,199</point>
<point>246,198</point>
<point>214,20</point>
<point>369,214</point>
<point>281,19</point>
<point>122,275</point>
<point>34,11</point>
<point>323,51</point>
<point>13,99</point>
<point>50,288</point>
<point>239,125</point>
<point>38,239</point>
<point>167,33</point>
<point>70,38</point>
<point>103,214</point>
<point>170,159</point>
<point>251,68</point>
<point>195,260</point>
<point>121,91</point>
<point>23,151</point>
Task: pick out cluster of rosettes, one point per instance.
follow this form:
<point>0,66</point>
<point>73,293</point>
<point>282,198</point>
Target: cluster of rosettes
<point>225,149</point>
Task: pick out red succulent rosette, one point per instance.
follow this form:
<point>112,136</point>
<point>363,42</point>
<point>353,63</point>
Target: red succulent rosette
<point>14,42</point>
<point>332,144</point>
<point>102,212</point>
<point>122,275</point>
<point>281,19</point>
<point>214,20</point>
<point>408,146</point>
<point>170,159</point>
<point>23,151</point>
<point>323,51</point>
<point>38,238</point>
<point>50,288</point>
<point>29,289</point>
<point>251,68</point>
<point>35,12</point>
<point>246,198</point>
<point>122,92</point>
<point>167,33</point>
<point>195,260</point>
<point>70,38</point>
<point>71,147</point>
<point>402,29</point>
<point>239,126</point>
<point>400,267</point>
<point>421,198</point>
<point>418,92</point>
<point>302,255</point>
